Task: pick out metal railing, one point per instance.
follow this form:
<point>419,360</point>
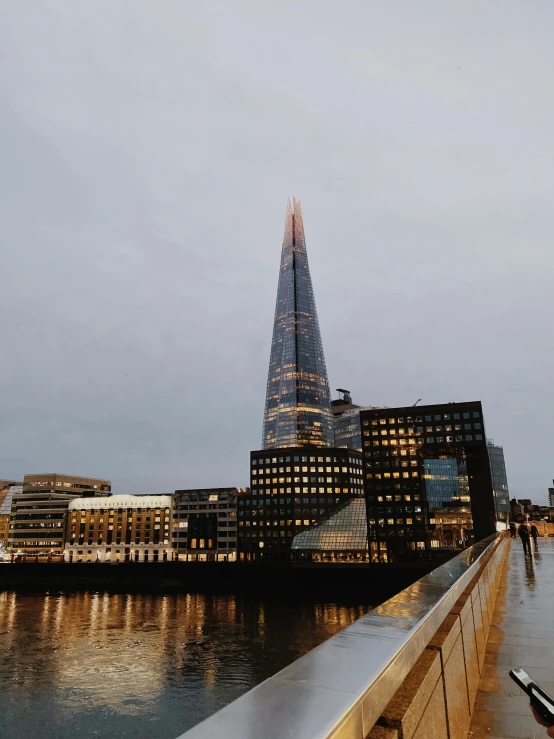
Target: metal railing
<point>340,688</point>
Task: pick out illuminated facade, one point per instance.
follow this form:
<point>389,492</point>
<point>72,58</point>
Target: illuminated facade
<point>290,490</point>
<point>418,461</point>
<point>37,521</point>
<point>298,401</point>
<point>119,528</point>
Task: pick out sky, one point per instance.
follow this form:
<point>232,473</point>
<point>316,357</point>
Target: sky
<point>147,154</point>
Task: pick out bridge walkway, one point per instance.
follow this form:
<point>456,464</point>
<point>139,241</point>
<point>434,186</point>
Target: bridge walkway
<point>521,635</point>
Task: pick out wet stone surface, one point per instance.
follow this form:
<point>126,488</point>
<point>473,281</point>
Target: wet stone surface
<point>522,635</point>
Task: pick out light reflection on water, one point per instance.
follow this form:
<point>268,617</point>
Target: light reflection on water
<point>94,664</point>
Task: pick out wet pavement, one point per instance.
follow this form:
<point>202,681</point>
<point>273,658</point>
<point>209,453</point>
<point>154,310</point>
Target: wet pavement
<point>521,635</point>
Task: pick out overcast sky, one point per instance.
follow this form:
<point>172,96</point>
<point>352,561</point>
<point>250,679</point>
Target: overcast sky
<point>147,153</point>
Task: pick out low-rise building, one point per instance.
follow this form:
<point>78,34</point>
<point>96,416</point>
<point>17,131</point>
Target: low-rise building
<point>38,513</point>
<point>205,524</point>
<point>121,528</point>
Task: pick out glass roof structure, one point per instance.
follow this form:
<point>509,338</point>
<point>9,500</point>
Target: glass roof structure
<point>6,504</point>
<point>343,530</point>
<point>298,401</point>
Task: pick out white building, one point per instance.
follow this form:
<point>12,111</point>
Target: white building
<point>119,528</point>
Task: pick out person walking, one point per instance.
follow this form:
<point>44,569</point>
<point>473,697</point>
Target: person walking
<point>513,530</point>
<point>534,534</point>
<point>523,532</point>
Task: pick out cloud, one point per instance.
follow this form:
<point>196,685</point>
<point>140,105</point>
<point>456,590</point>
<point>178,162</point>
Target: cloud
<point>147,156</point>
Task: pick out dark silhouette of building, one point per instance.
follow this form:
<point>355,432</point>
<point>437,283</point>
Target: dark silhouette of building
<point>298,401</point>
<point>291,489</point>
<point>419,460</point>
<point>205,524</point>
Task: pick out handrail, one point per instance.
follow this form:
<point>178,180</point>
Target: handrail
<point>340,688</point>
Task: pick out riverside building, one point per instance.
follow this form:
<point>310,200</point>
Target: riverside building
<point>38,513</point>
<point>121,528</point>
<point>205,524</point>
<point>418,461</point>
<point>290,490</point>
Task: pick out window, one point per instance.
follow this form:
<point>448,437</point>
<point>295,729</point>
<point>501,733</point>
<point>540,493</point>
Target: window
<point>466,415</point>
<point>475,414</point>
<point>430,440</point>
<point>469,437</point>
<point>478,437</point>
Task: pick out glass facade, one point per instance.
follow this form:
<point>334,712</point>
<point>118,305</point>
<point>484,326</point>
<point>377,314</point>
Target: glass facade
<point>446,481</point>
<point>341,536</point>
<point>298,401</point>
<point>348,432</point>
<point>499,481</point>
<point>427,479</point>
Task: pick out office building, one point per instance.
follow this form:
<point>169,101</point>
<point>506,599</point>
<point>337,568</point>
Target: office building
<point>119,528</point>
<point>499,481</point>
<point>347,426</point>
<point>551,496</point>
<point>290,490</point>
<point>420,460</point>
<point>298,402</point>
<point>38,515</point>
<point>205,524</point>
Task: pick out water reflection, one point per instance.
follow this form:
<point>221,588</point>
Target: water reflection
<point>143,665</point>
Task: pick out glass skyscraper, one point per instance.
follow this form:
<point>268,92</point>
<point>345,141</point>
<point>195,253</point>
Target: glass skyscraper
<point>298,401</point>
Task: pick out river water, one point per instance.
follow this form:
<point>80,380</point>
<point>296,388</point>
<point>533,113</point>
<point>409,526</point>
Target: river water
<point>85,665</point>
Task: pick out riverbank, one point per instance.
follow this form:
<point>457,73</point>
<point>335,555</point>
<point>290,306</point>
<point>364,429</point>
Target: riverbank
<point>378,582</point>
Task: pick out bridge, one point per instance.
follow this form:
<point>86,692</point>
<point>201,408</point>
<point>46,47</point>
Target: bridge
<point>432,662</point>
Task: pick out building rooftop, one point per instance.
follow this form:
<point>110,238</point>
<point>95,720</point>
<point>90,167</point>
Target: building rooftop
<point>121,501</point>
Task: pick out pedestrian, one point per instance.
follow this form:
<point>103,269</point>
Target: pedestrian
<point>513,530</point>
<point>523,532</point>
<point>534,534</point>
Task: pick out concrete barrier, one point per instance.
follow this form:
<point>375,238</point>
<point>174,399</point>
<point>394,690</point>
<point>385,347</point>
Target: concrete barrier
<point>437,698</point>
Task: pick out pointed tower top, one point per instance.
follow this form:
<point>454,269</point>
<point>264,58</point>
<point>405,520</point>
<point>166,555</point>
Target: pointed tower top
<point>298,401</point>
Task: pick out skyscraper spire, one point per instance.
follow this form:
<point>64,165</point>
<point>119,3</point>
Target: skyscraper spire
<point>298,401</point>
